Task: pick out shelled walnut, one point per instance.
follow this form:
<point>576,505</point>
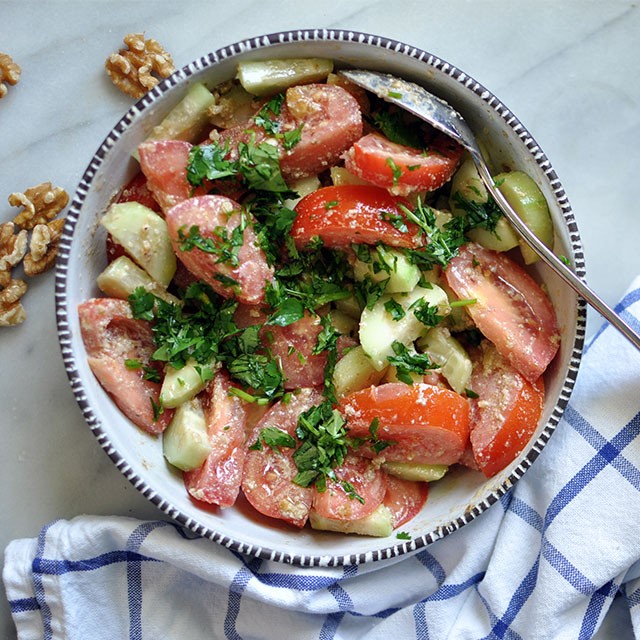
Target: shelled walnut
<point>131,69</point>
<point>40,204</point>
<point>37,251</point>
<point>43,247</point>
<point>11,310</point>
<point>9,73</point>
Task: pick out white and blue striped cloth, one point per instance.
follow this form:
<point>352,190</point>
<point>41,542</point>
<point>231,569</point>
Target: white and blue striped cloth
<point>547,561</point>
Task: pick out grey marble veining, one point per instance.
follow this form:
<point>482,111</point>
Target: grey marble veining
<point>567,69</point>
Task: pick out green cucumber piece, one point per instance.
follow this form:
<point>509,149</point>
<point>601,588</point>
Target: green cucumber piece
<point>180,385</point>
<point>378,524</point>
<point>446,351</point>
<point>378,330</point>
<point>188,119</point>
<point>267,77</point>
<point>396,267</point>
<point>415,471</point>
<point>468,183</point>
<point>144,236</point>
<point>185,443</point>
<point>355,371</point>
<point>528,201</point>
<point>122,277</point>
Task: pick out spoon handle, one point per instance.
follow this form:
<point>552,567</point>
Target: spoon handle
<point>551,259</point>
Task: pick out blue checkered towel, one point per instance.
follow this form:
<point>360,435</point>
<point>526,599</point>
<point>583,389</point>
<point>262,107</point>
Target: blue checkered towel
<point>547,561</point>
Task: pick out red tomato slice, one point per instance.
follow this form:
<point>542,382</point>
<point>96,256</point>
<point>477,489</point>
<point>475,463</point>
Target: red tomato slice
<point>511,309</point>
<point>506,413</point>
<point>330,122</point>
<point>164,163</point>
<point>368,481</point>
<point>429,424</point>
<point>216,215</point>
<point>405,499</point>
<point>267,480</point>
<point>111,336</point>
<point>218,480</point>
<point>348,214</point>
<point>403,169</point>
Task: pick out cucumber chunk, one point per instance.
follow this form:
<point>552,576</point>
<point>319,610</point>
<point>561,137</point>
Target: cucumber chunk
<point>415,471</point>
<point>389,264</point>
<point>446,351</point>
<point>185,443</point>
<point>468,183</point>
<point>122,277</point>
<point>188,119</point>
<point>378,329</point>
<point>378,524</point>
<point>528,201</point>
<point>355,371</point>
<point>266,77</point>
<point>180,385</point>
<point>144,236</point>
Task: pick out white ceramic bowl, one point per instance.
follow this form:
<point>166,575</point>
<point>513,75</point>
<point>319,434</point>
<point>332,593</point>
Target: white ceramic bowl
<point>462,494</point>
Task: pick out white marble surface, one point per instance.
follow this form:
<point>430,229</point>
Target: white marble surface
<point>568,69</point>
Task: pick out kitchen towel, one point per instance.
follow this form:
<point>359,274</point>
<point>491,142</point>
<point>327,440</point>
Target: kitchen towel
<point>552,559</point>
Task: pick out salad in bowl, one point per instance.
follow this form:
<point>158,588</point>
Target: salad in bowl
<point>309,309</point>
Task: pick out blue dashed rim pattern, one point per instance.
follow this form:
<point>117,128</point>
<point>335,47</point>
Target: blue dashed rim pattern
<point>62,312</point>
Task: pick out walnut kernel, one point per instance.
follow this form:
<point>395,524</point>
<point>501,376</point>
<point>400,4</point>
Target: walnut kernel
<point>43,247</point>
<point>131,69</point>
<point>40,204</point>
<point>11,310</point>
<point>9,73</point>
<point>13,246</point>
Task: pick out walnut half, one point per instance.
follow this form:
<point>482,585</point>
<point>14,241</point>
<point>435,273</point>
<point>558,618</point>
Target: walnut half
<point>11,310</point>
<point>131,69</point>
<point>39,204</point>
<point>9,73</point>
<point>43,247</point>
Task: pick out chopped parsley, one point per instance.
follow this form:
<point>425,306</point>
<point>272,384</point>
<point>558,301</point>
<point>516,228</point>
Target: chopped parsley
<point>396,171</point>
<point>394,309</point>
<point>426,313</point>
<point>274,438</point>
<point>407,362</point>
<point>393,126</point>
<point>403,535</point>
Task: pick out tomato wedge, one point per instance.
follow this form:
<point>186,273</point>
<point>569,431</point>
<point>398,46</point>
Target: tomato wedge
<point>506,413</point>
<point>346,214</point>
<point>164,163</point>
<point>403,169</point>
<point>112,337</point>
<point>426,423</point>
<point>510,308</point>
<point>243,275</point>
<point>328,119</point>
<point>218,480</point>
<point>368,482</point>
<point>405,499</point>
<point>267,479</point>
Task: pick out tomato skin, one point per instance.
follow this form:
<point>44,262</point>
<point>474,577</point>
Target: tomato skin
<point>212,214</point>
<point>368,481</point>
<point>218,480</point>
<point>346,214</point>
<point>511,309</point>
<point>428,424</point>
<point>111,335</point>
<point>374,158</point>
<point>404,498</point>
<point>506,413</point>
<point>267,478</point>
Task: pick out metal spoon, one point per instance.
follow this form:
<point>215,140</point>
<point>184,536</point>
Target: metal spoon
<point>445,118</point>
